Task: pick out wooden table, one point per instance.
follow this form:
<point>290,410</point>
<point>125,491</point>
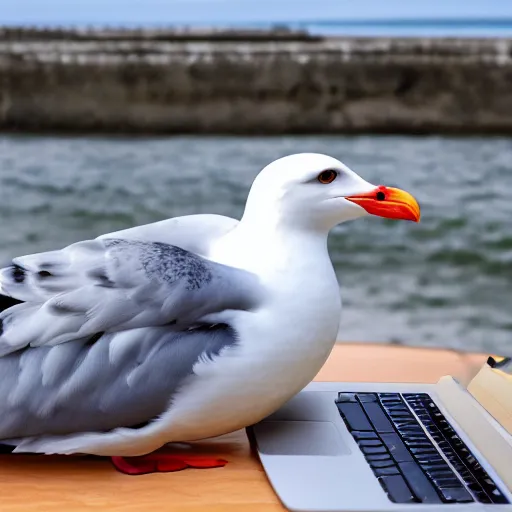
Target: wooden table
<point>75,484</point>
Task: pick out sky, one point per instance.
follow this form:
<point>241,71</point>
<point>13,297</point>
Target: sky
<point>204,12</point>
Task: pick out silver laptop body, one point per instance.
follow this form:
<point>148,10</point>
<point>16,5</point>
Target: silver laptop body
<point>317,459</point>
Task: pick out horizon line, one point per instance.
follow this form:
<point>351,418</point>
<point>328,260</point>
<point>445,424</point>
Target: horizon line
<point>395,21</point>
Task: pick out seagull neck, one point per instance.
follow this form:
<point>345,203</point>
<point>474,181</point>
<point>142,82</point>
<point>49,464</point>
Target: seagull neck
<point>264,245</point>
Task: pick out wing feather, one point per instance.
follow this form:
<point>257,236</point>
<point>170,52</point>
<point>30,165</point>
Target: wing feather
<point>75,387</point>
<point>111,285</point>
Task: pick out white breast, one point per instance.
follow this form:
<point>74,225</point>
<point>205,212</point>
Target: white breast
<point>244,384</point>
<point>282,347</point>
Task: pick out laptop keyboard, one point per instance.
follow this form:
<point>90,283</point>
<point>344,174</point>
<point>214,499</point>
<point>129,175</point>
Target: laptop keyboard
<point>408,465</point>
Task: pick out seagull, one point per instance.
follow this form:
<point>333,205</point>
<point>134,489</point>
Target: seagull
<point>183,329</point>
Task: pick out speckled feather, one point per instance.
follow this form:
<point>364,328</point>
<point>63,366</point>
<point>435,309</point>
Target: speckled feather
<point>111,285</point>
<point>165,262</point>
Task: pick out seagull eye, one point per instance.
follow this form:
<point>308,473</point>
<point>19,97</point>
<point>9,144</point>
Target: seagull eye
<point>327,176</point>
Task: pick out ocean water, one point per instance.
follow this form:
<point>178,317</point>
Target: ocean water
<point>446,281</point>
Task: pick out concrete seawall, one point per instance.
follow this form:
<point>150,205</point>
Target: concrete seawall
<point>254,85</point>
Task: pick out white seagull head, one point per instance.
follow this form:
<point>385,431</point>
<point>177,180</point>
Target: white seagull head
<point>316,192</point>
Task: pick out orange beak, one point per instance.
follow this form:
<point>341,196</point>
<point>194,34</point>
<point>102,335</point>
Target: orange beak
<point>391,203</point>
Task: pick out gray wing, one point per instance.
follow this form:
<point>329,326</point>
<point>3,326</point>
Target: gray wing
<point>110,285</point>
<point>119,380</point>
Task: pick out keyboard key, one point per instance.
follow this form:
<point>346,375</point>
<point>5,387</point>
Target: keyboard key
<point>437,470</point>
<point>390,396</point>
<point>373,450</point>
<point>419,483</point>
<point>410,426</point>
<point>497,497</point>
<point>359,436</point>
<point>446,483</point>
<point>378,417</point>
<point>455,495</point>
<point>396,447</point>
<point>396,409</point>
<point>346,397</point>
<point>383,463</point>
<point>429,461</point>
<point>390,470</point>
<point>397,489</point>
<point>426,453</point>
<point>367,397</point>
<point>421,445</point>
<point>377,456</point>
<point>418,396</point>
<point>369,442</point>
<point>354,416</point>
<point>479,493</point>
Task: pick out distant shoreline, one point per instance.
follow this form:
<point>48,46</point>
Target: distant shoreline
<point>247,82</point>
<point>283,24</point>
<point>86,33</point>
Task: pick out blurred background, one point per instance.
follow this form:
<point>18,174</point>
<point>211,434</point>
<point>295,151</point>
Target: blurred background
<point>117,113</point>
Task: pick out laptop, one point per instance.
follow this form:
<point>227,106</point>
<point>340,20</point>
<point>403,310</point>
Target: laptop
<point>340,446</point>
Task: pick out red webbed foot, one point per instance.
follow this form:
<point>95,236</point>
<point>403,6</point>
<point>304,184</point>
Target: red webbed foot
<point>163,463</point>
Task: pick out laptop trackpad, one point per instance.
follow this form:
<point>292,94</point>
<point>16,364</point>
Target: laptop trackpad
<point>299,438</point>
